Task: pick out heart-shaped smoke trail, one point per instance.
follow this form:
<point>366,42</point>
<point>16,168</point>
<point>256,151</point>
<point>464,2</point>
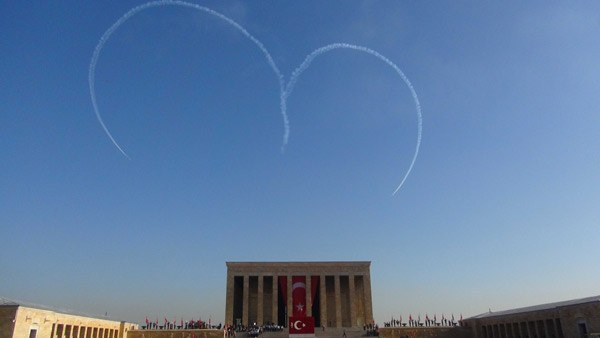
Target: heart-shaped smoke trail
<point>284,90</point>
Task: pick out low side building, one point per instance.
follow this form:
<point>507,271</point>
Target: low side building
<point>567,319</point>
<point>19,320</point>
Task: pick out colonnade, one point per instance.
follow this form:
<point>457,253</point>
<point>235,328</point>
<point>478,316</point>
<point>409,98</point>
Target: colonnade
<point>547,328</point>
<point>76,331</point>
<point>342,298</point>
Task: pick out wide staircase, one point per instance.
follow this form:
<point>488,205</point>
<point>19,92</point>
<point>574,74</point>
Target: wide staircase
<point>351,332</point>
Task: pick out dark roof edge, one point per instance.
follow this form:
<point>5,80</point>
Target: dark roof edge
<point>540,307</point>
<point>9,302</point>
<point>299,262</point>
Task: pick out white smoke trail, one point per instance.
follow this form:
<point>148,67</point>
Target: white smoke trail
<point>134,11</point>
<point>308,60</point>
<point>284,90</point>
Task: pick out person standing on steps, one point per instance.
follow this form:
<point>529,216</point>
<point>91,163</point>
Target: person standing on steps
<point>344,335</point>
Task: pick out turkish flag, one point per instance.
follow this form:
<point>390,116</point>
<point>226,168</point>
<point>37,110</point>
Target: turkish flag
<point>299,296</point>
<point>302,325</point>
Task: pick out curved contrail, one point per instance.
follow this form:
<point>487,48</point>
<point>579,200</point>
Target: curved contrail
<point>137,9</point>
<point>309,59</point>
<point>285,90</point>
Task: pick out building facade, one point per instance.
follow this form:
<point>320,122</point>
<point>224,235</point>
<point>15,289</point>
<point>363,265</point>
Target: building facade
<point>568,319</point>
<point>18,320</point>
<point>338,294</point>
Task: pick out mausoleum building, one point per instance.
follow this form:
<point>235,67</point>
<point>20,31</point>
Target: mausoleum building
<point>338,294</point>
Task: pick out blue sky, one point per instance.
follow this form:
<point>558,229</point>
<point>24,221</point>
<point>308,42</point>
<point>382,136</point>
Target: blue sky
<point>500,210</point>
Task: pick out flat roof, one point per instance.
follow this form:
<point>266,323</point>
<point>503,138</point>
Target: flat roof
<point>283,268</point>
<point>541,307</point>
<point>9,302</point>
<point>299,263</point>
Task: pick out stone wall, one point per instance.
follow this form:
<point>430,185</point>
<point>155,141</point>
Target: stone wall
<point>583,313</point>
<point>425,332</point>
<point>175,334</point>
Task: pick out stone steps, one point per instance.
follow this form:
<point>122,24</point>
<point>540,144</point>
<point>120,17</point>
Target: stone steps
<point>351,332</point>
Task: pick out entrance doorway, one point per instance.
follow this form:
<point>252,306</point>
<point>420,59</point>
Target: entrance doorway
<point>582,330</point>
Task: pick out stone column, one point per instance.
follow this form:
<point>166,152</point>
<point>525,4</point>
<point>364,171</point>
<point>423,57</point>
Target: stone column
<point>246,300</point>
<point>546,328</point>
<point>554,328</point>
<point>290,308</point>
<point>529,333</point>
<point>352,293</point>
<point>521,329</point>
<point>229,300</point>
<point>259,310</point>
<point>338,302</point>
<point>558,327</point>
<point>275,299</point>
<point>323,300</point>
<point>308,296</point>
<point>368,302</point>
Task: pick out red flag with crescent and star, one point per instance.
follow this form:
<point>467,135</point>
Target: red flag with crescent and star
<point>302,325</point>
<point>299,296</point>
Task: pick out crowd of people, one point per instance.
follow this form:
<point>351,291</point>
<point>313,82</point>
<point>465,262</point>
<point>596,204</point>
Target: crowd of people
<point>255,330</point>
<point>173,325</point>
<point>371,330</point>
<point>427,322</point>
<point>251,330</point>
<point>271,327</point>
<point>229,331</point>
